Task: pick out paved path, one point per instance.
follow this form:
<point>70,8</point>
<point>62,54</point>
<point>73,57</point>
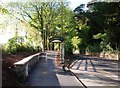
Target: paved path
<point>96,71</point>
<point>46,73</point>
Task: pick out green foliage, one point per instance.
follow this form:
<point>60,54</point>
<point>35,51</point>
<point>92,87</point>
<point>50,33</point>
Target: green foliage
<point>93,48</point>
<point>68,48</point>
<point>75,42</point>
<point>3,10</point>
<point>11,45</point>
<point>107,19</point>
<point>105,46</point>
<point>16,44</point>
<point>102,23</point>
<point>82,48</point>
<point>93,30</point>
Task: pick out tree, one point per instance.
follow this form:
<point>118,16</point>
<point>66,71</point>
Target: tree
<point>55,17</point>
<point>3,10</point>
<point>110,20</point>
<point>102,18</point>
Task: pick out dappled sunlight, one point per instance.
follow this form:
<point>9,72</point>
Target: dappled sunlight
<point>100,73</point>
<point>70,42</point>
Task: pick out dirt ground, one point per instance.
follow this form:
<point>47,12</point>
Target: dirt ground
<point>8,76</point>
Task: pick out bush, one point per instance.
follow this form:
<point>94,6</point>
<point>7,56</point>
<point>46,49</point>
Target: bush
<point>94,48</point>
<point>15,45</point>
<point>68,48</point>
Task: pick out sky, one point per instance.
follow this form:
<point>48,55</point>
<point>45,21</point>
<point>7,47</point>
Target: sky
<point>73,4</point>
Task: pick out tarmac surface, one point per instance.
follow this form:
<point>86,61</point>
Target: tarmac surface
<point>47,73</point>
<point>93,71</point>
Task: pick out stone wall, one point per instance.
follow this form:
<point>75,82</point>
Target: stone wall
<point>108,55</point>
<point>24,66</point>
<point>111,55</point>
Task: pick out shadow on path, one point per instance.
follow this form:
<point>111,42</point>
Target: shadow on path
<point>96,71</point>
<point>47,73</point>
<point>44,73</point>
<point>85,61</point>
